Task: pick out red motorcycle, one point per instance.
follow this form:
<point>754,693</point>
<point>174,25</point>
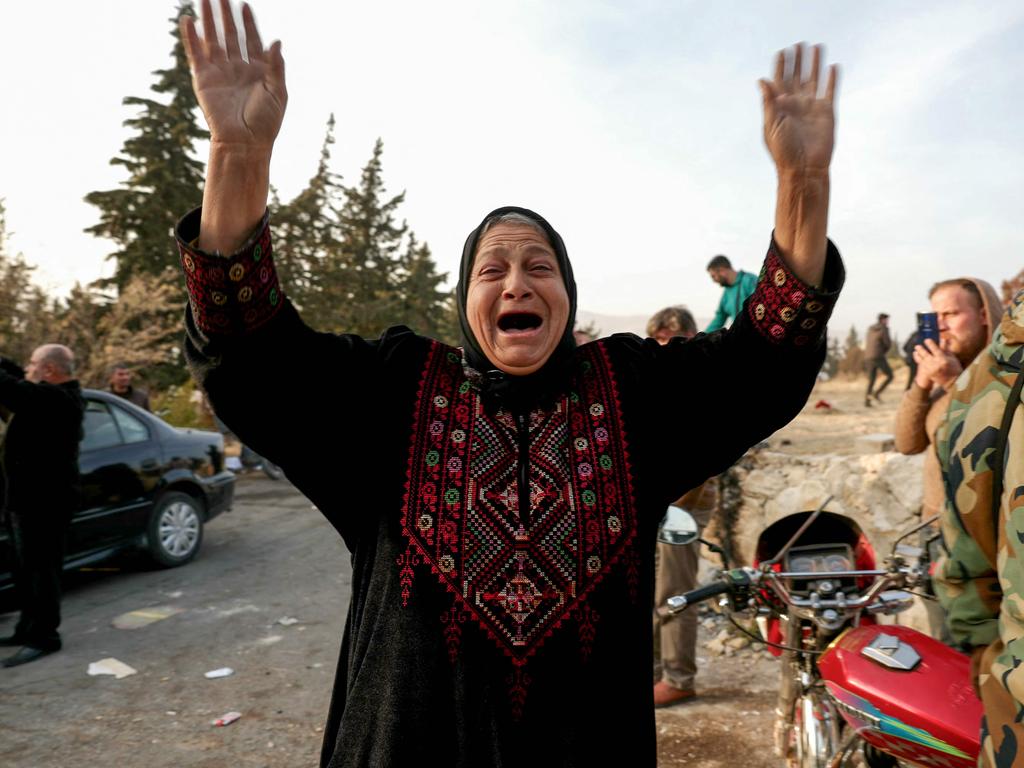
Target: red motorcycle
<point>852,691</point>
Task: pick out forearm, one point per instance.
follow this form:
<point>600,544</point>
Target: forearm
<point>909,433</point>
<point>801,222</point>
<point>718,321</point>
<point>235,195</point>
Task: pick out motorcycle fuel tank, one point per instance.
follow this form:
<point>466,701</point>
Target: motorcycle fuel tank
<point>905,693</point>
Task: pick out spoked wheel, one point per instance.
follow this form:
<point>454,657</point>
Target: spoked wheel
<point>814,734</point>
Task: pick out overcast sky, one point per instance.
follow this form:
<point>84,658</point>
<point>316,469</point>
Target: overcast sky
<point>634,127</point>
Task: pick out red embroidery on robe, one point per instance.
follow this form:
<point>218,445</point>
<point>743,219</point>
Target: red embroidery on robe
<point>518,582</point>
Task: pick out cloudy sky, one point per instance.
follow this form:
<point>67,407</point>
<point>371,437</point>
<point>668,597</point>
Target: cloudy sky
<point>634,127</point>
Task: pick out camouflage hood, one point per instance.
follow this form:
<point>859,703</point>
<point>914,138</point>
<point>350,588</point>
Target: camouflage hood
<point>1008,342</point>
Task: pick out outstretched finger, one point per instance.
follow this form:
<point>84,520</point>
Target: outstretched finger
<point>277,69</point>
<point>190,39</point>
<point>210,41</point>
<point>798,67</point>
<point>227,23</point>
<point>815,69</point>
<point>253,43</point>
<point>768,95</point>
<point>780,69</point>
<point>830,89</point>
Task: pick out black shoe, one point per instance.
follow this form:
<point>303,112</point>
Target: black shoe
<point>867,402</point>
<point>27,654</point>
<point>11,641</point>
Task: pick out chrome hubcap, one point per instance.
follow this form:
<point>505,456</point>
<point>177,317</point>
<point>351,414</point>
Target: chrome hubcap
<point>179,529</point>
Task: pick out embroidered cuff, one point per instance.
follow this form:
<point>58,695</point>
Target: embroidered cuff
<point>787,311</point>
<point>230,295</point>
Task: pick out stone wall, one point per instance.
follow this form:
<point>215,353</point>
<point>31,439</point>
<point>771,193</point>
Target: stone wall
<point>881,491</point>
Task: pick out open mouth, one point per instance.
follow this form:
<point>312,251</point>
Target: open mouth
<point>519,322</point>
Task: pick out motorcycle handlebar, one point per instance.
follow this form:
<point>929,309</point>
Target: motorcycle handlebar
<point>747,577</point>
<point>733,580</point>
<point>679,602</point>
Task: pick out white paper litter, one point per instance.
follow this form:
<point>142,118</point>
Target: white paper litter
<point>222,672</point>
<point>111,667</point>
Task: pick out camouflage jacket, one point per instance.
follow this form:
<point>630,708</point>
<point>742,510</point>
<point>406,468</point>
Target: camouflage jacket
<point>980,580</point>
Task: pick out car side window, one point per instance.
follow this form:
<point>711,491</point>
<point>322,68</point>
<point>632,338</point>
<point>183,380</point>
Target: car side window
<point>99,428</point>
<point>132,429</point>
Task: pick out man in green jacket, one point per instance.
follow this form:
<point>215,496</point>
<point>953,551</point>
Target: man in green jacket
<point>980,580</point>
<point>738,286</point>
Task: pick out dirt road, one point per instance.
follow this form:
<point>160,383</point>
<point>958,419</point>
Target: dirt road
<point>263,562</point>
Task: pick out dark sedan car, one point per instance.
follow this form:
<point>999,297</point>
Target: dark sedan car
<point>144,484</point>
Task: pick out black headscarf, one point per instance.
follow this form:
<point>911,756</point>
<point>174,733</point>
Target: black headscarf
<point>518,391</point>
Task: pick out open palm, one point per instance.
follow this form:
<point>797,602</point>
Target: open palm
<point>243,99</point>
<point>799,125</point>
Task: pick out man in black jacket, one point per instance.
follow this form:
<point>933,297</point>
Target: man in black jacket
<point>39,464</point>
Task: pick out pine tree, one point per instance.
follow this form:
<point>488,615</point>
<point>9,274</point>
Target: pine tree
<point>852,363</point>
<point>26,313</point>
<point>164,179</point>
<point>361,298</point>
<point>833,355</point>
<point>307,238</point>
<point>420,301</point>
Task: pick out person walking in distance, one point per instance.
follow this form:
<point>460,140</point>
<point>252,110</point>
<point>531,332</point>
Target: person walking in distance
<point>876,347</point>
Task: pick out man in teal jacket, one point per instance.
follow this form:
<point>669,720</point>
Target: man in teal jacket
<point>738,286</point>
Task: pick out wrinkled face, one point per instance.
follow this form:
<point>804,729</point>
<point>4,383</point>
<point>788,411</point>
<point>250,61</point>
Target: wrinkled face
<point>720,275</point>
<point>962,328</point>
<point>516,303</point>
<point>121,379</point>
<point>36,370</point>
<point>33,370</point>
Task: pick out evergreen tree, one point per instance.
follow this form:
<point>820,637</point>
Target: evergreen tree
<point>421,303</point>
<point>164,179</point>
<point>347,263</point>
<point>360,295</point>
<point>832,356</point>
<point>26,313</point>
<point>852,363</point>
<point>307,239</point>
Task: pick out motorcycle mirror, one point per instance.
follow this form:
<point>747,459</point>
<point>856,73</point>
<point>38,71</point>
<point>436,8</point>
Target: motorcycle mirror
<point>914,529</point>
<point>678,527</point>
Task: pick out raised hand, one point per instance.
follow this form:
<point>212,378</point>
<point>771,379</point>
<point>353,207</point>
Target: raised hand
<point>936,366</point>
<point>799,123</point>
<point>243,100</point>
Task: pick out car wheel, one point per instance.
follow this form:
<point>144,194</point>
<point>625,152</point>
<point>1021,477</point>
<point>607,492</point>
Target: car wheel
<point>175,529</point>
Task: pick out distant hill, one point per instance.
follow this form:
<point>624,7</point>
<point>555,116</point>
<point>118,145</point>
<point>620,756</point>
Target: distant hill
<point>609,324</point>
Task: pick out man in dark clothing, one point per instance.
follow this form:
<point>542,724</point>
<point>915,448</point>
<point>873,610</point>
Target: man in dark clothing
<point>908,354</point>
<point>39,464</point>
<point>121,385</point>
<point>876,347</point>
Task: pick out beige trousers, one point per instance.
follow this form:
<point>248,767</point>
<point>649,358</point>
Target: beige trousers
<point>677,635</point>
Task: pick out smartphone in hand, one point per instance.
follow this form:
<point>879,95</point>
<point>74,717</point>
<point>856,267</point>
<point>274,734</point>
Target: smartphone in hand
<point>928,326</point>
